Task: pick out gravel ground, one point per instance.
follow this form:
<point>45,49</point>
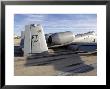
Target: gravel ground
<point>20,69</point>
<point>53,68</point>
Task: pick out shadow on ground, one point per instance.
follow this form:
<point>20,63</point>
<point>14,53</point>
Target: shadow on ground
<point>62,61</point>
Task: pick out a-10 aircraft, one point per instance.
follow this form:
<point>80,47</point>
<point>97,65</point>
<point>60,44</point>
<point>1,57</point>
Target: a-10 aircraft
<point>33,40</point>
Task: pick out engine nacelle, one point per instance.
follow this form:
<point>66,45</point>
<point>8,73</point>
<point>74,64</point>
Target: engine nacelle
<point>61,38</point>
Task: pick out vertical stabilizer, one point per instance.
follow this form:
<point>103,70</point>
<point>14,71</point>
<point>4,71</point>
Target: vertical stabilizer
<point>34,39</point>
<point>27,40</point>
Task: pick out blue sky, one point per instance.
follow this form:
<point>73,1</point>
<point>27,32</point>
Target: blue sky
<point>77,23</point>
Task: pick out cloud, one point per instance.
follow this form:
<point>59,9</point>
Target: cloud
<point>57,22</point>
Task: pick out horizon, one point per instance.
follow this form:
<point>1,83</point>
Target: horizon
<point>51,23</point>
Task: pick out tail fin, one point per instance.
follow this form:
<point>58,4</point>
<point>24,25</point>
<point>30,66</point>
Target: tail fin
<point>34,41</point>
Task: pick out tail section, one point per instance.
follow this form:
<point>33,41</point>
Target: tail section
<point>34,41</point>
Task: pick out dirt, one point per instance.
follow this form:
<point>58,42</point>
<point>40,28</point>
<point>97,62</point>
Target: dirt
<point>20,69</point>
<point>53,68</point>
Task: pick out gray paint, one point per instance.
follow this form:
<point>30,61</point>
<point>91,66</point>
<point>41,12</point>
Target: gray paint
<point>83,47</point>
<point>61,38</point>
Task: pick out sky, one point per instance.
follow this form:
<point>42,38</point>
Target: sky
<point>51,23</point>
